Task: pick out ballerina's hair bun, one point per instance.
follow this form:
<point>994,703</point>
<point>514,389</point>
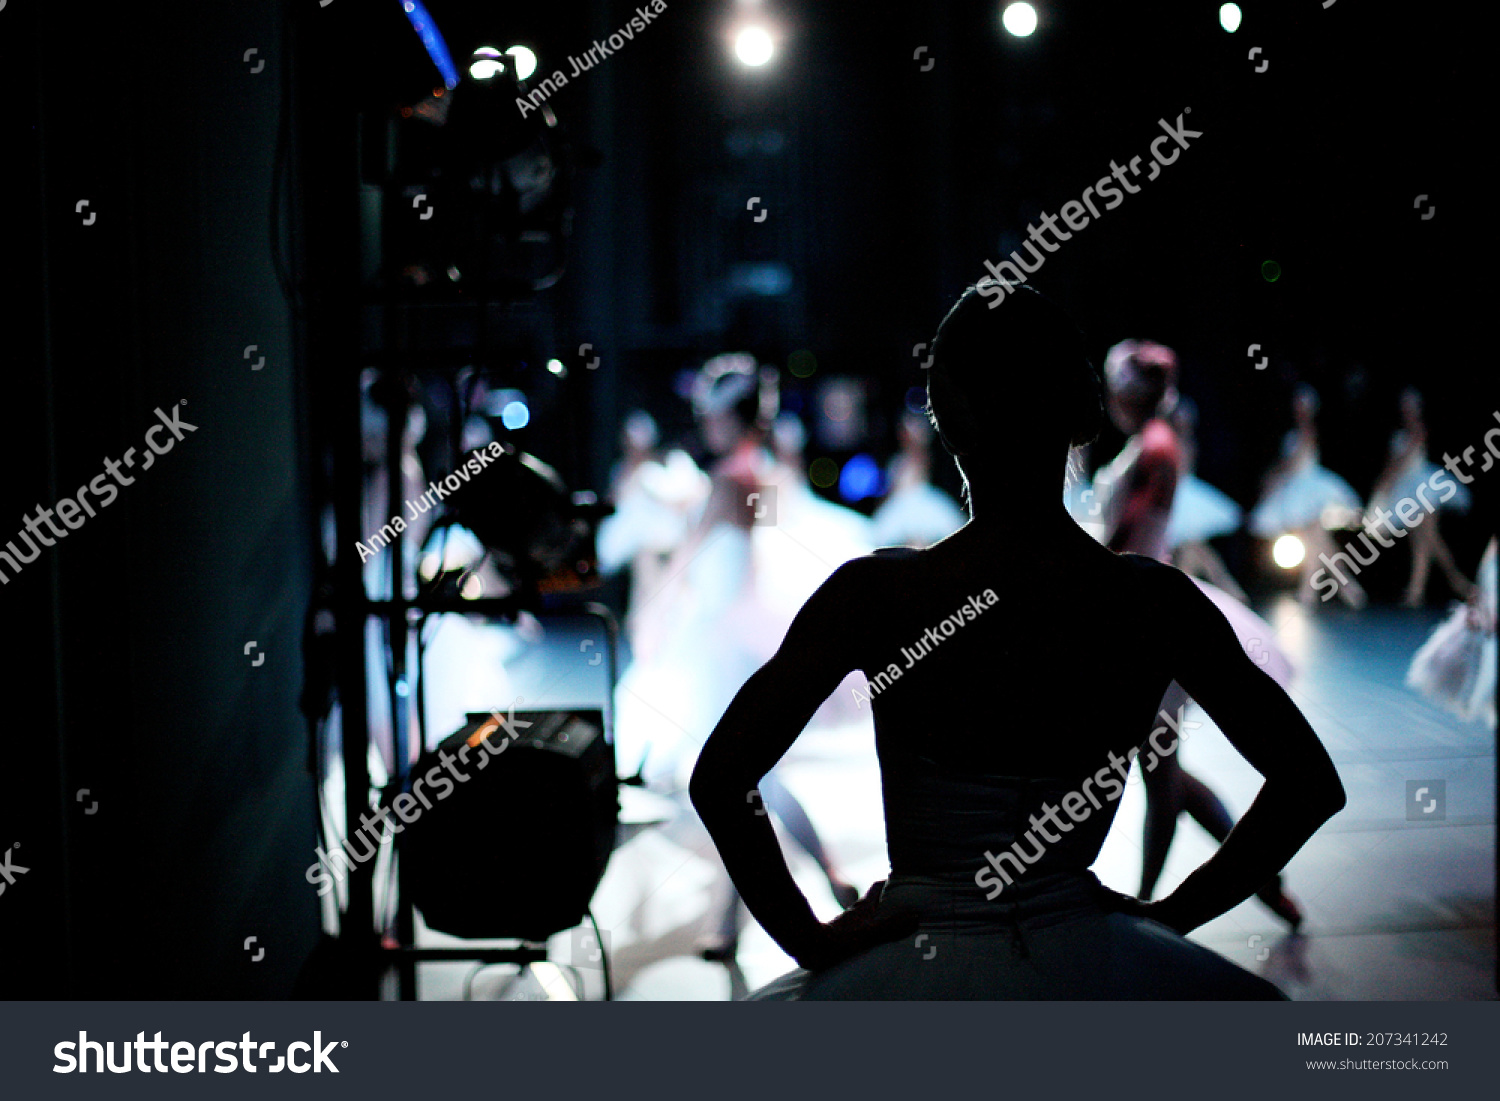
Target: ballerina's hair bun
<point>1142,376</point>
<point>1012,377</point>
<point>734,383</point>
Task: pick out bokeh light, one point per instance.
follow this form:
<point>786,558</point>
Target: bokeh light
<point>802,364</point>
<point>860,478</point>
<point>823,473</point>
<point>1288,552</point>
<point>523,60</point>
<point>753,46</point>
<point>1019,19</point>
<point>515,415</point>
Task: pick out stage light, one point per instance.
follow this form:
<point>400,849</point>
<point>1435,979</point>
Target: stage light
<point>522,60</point>
<point>486,63</point>
<point>1288,552</point>
<point>753,46</point>
<point>556,367</point>
<point>515,415</point>
<point>1229,17</point>
<point>518,848</point>
<point>1019,19</point>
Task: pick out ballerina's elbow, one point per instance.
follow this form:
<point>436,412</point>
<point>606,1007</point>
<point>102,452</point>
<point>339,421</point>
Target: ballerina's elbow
<point>1334,799</point>
<point>1323,797</point>
<point>708,789</point>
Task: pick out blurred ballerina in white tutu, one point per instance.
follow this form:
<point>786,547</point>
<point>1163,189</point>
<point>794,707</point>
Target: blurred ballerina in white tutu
<point>720,616</point>
<point>656,499</point>
<point>1407,469</point>
<point>915,513</point>
<point>1305,499</point>
<point>1455,668</point>
<point>1199,511</point>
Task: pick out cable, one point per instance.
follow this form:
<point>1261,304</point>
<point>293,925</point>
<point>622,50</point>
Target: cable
<point>609,986</point>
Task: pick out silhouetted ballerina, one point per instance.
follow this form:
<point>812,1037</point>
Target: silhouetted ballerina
<point>1407,471</point>
<point>971,750</point>
<point>1140,488</point>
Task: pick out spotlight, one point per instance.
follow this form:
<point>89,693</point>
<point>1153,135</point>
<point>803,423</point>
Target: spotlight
<point>523,60</point>
<point>753,46</point>
<point>1229,17</point>
<point>521,844</point>
<point>1288,552</point>
<point>1019,19</point>
<point>486,63</point>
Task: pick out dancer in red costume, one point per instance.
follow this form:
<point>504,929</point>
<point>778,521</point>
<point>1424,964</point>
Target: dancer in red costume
<point>1141,378</point>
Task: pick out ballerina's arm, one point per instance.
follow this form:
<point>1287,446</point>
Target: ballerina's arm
<point>764,719</point>
<point>1301,790</point>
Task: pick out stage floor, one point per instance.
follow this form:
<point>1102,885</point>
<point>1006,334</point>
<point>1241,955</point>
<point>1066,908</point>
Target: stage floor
<point>1395,908</point>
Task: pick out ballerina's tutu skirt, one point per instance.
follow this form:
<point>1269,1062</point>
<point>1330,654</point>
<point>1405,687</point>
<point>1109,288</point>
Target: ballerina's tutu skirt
<point>1417,477</point>
<point>1200,513</point>
<point>1310,495</point>
<point>1455,668</point>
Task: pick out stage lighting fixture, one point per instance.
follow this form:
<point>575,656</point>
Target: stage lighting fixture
<point>1229,17</point>
<point>753,46</point>
<point>517,848</point>
<point>1288,552</point>
<point>540,536</point>
<point>486,63</point>
<point>522,60</point>
<point>1019,19</point>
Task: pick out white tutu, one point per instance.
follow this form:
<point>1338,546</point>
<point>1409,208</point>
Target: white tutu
<point>716,633</point>
<point>653,511</point>
<point>1455,668</point>
<point>1309,494</point>
<point>916,516</point>
<point>723,614</point>
<point>1200,513</point>
<point>1415,475</point>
